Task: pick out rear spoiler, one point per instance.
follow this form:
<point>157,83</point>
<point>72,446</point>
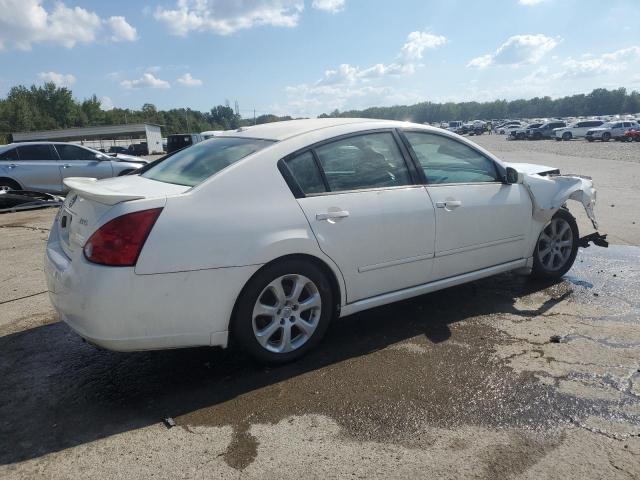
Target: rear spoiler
<point>89,188</point>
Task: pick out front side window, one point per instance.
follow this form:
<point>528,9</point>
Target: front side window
<point>305,171</point>
<point>194,165</point>
<point>445,160</point>
<point>73,152</point>
<point>36,152</point>
<point>371,160</point>
<point>11,154</point>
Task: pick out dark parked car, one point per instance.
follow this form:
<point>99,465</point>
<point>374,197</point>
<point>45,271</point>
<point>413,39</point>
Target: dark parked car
<point>118,149</point>
<point>544,131</point>
<point>182,140</point>
<point>138,149</point>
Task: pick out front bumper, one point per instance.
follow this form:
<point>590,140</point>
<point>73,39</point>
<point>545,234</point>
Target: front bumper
<point>117,309</point>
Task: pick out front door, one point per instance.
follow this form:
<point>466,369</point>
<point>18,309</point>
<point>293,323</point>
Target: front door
<point>480,221</point>
<point>37,168</point>
<point>367,214</point>
<point>76,161</point>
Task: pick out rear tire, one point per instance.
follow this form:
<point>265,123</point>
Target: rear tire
<point>557,246</point>
<point>606,136</point>
<point>283,311</point>
<point>8,184</point>
<point>537,136</point>
<point>589,139</point>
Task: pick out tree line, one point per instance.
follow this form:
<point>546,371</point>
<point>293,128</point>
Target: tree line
<point>599,102</point>
<point>49,107</point>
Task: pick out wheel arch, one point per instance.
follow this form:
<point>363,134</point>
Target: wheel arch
<point>12,180</point>
<point>334,277</point>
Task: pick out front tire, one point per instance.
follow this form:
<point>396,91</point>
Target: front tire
<point>8,184</point>
<point>557,246</point>
<point>566,136</point>
<point>283,311</point>
<point>606,136</point>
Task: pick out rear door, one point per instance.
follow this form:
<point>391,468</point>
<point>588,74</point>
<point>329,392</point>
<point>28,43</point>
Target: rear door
<point>37,168</point>
<point>480,221</point>
<point>359,196</point>
<point>76,161</point>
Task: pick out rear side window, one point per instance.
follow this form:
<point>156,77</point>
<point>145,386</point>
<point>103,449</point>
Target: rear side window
<point>11,154</point>
<point>305,171</point>
<point>193,165</point>
<point>445,160</point>
<point>364,161</point>
<point>36,152</point>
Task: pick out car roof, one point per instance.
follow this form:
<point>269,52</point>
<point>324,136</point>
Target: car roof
<point>22,144</point>
<point>291,128</point>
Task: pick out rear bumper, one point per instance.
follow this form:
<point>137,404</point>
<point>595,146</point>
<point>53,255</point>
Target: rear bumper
<point>117,309</point>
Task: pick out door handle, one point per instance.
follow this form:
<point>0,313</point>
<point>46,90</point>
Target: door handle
<point>449,204</point>
<point>66,165</point>
<point>332,215</point>
<point>13,165</point>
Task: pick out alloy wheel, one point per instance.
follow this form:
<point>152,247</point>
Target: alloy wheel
<point>286,313</point>
<point>555,244</point>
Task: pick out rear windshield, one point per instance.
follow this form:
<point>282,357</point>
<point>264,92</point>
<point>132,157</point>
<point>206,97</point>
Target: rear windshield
<point>195,164</point>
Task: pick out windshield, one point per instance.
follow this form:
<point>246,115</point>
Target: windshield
<point>195,164</point>
<point>607,125</point>
<point>98,153</point>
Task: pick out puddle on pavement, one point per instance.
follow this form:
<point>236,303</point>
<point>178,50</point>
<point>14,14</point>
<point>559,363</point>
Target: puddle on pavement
<point>439,361</point>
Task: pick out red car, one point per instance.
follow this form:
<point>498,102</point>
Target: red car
<point>632,136</point>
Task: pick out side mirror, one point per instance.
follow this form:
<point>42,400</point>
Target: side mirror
<point>513,176</point>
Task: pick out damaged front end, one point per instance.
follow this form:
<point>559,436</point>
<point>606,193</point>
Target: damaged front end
<point>549,191</point>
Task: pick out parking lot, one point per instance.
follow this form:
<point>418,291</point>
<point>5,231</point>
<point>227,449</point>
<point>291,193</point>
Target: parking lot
<point>500,378</point>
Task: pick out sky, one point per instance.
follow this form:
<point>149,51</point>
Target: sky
<point>306,57</point>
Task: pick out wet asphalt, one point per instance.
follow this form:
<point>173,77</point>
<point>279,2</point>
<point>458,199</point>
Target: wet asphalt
<point>382,375</point>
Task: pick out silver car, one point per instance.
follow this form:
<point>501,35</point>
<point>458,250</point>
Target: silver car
<point>41,166</point>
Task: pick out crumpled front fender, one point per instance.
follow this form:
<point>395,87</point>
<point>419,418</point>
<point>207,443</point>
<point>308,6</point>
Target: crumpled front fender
<point>548,193</point>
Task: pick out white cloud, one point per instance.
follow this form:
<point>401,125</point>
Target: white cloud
<point>517,50</point>
<point>590,65</point>
<point>404,63</point>
<point>530,3</point>
<point>121,30</point>
<point>146,81</point>
<point>24,23</point>
<point>60,79</point>
<point>106,103</point>
<point>331,6</point>
<point>352,86</point>
<point>481,62</point>
<point>224,17</point>
<point>417,42</point>
<point>187,80</point>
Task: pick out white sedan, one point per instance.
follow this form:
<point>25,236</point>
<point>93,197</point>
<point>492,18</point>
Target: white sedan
<point>265,234</point>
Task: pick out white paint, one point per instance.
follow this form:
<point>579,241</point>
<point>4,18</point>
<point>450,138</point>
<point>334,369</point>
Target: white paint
<point>383,245</point>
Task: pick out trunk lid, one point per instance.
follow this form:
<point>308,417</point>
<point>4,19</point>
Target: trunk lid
<point>89,200</point>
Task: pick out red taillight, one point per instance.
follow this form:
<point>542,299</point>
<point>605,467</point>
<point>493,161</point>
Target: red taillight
<point>119,242</point>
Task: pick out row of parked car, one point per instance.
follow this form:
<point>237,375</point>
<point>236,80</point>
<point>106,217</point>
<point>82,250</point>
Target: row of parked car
<point>591,130</point>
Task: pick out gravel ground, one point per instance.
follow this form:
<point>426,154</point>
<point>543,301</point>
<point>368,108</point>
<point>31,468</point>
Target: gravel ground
<point>501,378</point>
<point>618,151</point>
